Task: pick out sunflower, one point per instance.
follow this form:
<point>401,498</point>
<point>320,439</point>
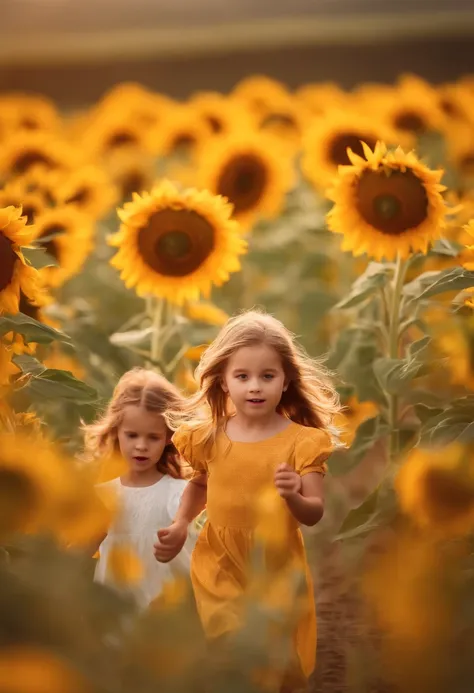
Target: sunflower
<point>131,170</point>
<point>223,115</point>
<point>31,203</point>
<point>134,103</point>
<point>321,97</point>
<point>286,119</point>
<point>89,190</point>
<point>251,170</point>
<point>25,149</point>
<point>181,131</point>
<point>353,414</point>
<point>413,107</point>
<point>259,92</point>
<point>386,204</point>
<point>16,274</point>
<point>39,181</point>
<point>468,255</point>
<point>436,488</point>
<point>456,344</point>
<point>29,669</point>
<point>456,102</point>
<point>460,143</point>
<point>67,235</point>
<point>327,140</point>
<point>25,112</point>
<point>32,477</point>
<point>22,422</point>
<point>207,313</point>
<point>104,135</point>
<point>176,244</point>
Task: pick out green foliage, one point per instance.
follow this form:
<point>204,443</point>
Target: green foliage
<point>30,329</point>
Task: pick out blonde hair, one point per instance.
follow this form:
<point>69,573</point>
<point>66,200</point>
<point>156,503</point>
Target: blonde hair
<point>310,398</point>
<point>139,387</point>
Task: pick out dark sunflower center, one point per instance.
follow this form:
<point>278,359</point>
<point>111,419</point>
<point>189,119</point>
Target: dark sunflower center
<point>175,243</point>
<point>50,244</point>
<point>132,182</point>
<point>18,500</point>
<point>27,308</point>
<point>243,181</point>
<point>279,119</point>
<point>448,496</point>
<point>80,197</point>
<point>183,142</point>
<point>29,123</point>
<point>215,123</point>
<point>28,159</point>
<point>391,204</point>
<point>348,140</point>
<point>120,139</point>
<point>467,164</point>
<point>29,211</point>
<point>8,258</point>
<point>450,108</point>
<point>410,122</point>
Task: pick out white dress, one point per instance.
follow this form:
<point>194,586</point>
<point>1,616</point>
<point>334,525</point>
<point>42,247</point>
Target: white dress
<point>142,512</point>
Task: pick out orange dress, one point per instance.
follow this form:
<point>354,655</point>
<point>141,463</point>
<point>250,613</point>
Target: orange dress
<point>239,474</point>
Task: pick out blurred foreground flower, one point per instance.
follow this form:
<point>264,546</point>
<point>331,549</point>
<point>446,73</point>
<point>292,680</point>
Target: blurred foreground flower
<point>387,204</point>
<point>32,670</point>
<point>436,489</point>
<point>176,245</point>
<point>123,566</point>
<point>353,414</point>
<point>16,275</point>
<point>41,490</point>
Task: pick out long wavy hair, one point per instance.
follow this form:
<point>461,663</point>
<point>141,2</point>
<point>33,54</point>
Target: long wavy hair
<point>310,398</point>
<point>143,388</point>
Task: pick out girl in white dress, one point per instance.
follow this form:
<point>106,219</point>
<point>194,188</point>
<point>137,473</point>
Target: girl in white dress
<point>147,482</point>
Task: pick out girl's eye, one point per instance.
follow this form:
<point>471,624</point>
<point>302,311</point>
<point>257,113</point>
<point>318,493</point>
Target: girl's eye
<point>131,435</point>
<point>268,376</point>
<point>241,376</point>
<point>154,437</point>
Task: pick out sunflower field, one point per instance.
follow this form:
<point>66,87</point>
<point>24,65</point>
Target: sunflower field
<point>129,232</point>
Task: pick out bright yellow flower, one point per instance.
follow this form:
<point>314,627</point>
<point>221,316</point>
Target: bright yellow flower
<point>16,275</point>
<point>387,204</point>
<point>435,488</point>
<point>176,245</point>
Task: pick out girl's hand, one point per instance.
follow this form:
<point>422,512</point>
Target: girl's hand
<point>170,541</point>
<point>287,481</point>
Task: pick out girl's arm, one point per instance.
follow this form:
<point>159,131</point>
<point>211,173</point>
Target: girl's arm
<point>307,506</point>
<point>304,495</point>
<point>172,539</point>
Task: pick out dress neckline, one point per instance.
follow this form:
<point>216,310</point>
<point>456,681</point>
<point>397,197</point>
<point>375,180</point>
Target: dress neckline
<point>257,442</point>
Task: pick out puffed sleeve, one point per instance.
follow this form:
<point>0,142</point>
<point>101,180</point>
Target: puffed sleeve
<point>190,449</point>
<point>313,446</point>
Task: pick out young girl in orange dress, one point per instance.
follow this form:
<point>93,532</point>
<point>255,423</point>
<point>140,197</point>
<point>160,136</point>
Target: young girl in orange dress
<point>260,424</point>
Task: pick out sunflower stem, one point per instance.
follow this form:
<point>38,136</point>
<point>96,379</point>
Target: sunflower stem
<point>157,319</point>
<point>393,344</point>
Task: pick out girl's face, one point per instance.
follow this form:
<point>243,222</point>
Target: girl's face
<point>254,380</point>
<point>142,437</point>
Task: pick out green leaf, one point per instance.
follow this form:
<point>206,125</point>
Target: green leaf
<point>376,277</point>
<point>132,337</point>
<point>28,364</point>
<point>416,349</point>
<point>353,356</point>
<point>30,329</point>
<point>454,279</point>
<point>445,247</point>
<point>54,384</point>
<point>455,423</point>
<point>394,375</point>
<point>344,461</point>
<point>361,520</point>
<point>39,258</point>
